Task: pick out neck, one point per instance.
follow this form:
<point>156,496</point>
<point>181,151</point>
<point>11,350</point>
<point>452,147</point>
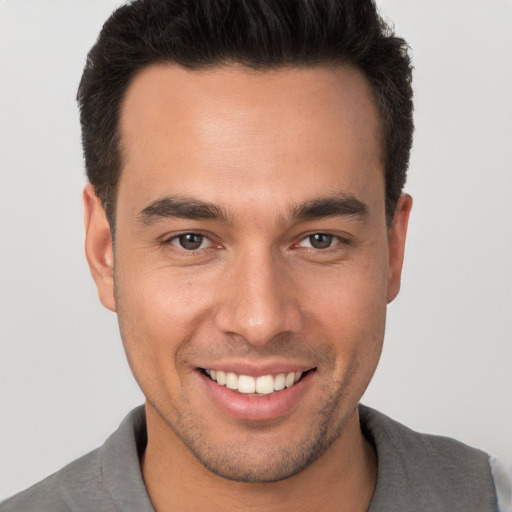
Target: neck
<point>341,479</point>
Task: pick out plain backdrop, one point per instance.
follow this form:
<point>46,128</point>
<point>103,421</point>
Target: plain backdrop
<point>446,366</point>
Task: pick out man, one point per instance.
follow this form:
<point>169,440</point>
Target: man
<point>245,221</point>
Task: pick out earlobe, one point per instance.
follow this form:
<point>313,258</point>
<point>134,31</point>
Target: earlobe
<point>397,236</point>
<point>98,247</point>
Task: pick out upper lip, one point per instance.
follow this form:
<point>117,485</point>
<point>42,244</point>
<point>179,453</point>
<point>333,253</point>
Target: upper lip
<point>256,369</point>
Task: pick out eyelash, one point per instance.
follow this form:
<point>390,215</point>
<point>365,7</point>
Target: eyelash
<point>168,242</point>
<point>334,241</point>
<point>339,240</point>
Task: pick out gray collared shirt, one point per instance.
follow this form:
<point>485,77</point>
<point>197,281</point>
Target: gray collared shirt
<point>416,472</point>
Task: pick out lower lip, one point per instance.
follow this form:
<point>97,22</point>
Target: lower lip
<point>257,408</point>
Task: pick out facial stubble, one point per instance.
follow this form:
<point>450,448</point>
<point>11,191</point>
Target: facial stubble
<point>236,461</point>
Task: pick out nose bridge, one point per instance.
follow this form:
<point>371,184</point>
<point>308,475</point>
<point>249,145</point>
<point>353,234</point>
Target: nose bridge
<point>258,302</point>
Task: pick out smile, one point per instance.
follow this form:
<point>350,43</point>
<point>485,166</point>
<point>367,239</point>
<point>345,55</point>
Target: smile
<point>247,385</point>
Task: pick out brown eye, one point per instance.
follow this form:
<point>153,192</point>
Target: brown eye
<point>190,241</point>
<point>320,240</point>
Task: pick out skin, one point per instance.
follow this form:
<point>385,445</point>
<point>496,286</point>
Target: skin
<point>258,146</point>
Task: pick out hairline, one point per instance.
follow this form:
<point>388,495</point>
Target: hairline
<point>327,64</point>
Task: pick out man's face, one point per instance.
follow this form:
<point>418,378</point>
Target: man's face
<point>251,245</point>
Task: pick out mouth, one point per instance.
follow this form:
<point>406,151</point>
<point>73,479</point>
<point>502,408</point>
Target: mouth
<point>259,395</point>
<point>255,385</point>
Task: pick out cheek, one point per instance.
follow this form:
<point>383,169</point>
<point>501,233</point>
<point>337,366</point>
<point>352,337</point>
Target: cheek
<point>348,308</point>
<point>357,323</point>
<point>352,294</point>
<point>161,299</point>
<point>158,314</point>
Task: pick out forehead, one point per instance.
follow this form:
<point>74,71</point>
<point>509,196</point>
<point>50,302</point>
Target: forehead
<point>199,132</point>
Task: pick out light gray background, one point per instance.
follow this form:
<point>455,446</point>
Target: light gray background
<point>446,367</point>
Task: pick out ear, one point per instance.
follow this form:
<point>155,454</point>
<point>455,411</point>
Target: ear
<point>98,247</point>
<point>397,235</point>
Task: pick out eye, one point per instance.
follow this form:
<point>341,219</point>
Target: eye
<point>319,241</point>
<point>190,241</point>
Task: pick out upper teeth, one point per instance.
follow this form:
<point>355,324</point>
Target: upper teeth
<point>265,384</point>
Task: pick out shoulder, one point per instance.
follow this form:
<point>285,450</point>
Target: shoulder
<point>57,493</point>
<point>107,479</point>
<point>390,434</point>
<point>427,472</point>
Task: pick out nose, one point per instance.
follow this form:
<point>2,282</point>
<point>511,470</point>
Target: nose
<point>258,301</point>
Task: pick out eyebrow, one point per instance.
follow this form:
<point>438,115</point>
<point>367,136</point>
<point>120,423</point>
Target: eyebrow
<point>182,208</point>
<point>342,205</point>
